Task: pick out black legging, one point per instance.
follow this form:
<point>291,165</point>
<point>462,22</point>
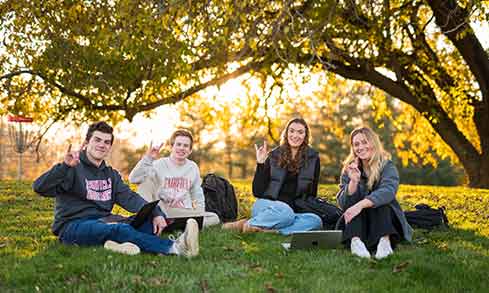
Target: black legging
<point>371,224</point>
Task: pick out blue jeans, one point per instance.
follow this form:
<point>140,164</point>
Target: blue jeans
<point>277,215</point>
<point>89,231</point>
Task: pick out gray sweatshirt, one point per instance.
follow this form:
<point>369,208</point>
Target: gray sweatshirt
<point>177,186</point>
<point>86,191</point>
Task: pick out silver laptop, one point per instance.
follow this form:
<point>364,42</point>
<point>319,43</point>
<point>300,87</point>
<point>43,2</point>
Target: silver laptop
<point>323,239</point>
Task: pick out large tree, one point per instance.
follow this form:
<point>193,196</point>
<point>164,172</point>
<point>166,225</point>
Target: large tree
<point>118,58</point>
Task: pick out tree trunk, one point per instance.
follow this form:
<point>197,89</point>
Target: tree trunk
<point>229,158</point>
<point>244,169</point>
<point>2,139</point>
<point>452,19</point>
<point>478,173</point>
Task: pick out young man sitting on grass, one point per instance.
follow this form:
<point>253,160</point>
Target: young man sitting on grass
<point>86,189</point>
<point>174,180</point>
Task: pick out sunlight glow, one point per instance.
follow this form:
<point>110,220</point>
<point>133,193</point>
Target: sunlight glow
<point>156,129</point>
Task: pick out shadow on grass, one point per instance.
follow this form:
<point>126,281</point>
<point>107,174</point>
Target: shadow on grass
<point>452,260</point>
<point>31,259</point>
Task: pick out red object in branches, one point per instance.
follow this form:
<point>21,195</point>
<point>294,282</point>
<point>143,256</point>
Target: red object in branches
<point>21,119</point>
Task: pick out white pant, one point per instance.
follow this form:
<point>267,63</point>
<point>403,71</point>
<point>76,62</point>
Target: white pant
<point>210,218</point>
<point>147,191</point>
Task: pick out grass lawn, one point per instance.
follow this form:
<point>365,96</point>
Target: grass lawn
<point>454,260</point>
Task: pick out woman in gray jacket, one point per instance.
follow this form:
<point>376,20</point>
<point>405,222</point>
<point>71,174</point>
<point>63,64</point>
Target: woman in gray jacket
<point>369,183</point>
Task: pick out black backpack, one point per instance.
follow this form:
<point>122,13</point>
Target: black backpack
<point>426,217</point>
<point>220,197</point>
<point>329,213</point>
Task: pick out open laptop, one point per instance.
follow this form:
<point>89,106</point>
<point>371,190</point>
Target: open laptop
<point>174,223</point>
<point>323,239</point>
<point>143,214</point>
<point>136,220</point>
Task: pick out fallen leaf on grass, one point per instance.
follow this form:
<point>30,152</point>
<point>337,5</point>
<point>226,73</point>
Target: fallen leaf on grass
<point>269,288</point>
<point>2,245</point>
<point>137,279</point>
<point>158,281</point>
<point>400,267</point>
<point>250,248</point>
<point>152,263</point>
<point>372,263</point>
<point>421,240</point>
<point>72,280</point>
<point>204,285</point>
<point>228,256</point>
<point>279,275</point>
<point>257,268</point>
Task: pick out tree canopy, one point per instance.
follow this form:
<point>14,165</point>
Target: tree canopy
<point>113,59</point>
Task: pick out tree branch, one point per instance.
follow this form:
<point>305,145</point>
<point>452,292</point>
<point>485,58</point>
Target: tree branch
<point>452,19</point>
<point>427,106</point>
<point>52,82</point>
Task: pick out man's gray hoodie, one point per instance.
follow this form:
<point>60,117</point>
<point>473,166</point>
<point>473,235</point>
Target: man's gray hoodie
<point>86,191</point>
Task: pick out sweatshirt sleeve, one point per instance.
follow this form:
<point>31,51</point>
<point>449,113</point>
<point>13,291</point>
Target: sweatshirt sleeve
<point>386,190</point>
<point>261,180</point>
<point>196,191</point>
<point>142,170</point>
<point>56,181</point>
<point>148,189</point>
<point>128,199</point>
<point>343,198</point>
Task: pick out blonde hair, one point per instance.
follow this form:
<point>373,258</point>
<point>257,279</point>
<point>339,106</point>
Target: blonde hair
<point>377,161</point>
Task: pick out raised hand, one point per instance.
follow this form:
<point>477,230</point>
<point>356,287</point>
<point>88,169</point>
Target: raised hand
<point>72,158</point>
<point>154,151</point>
<point>261,153</point>
<point>354,174</point>
<point>353,171</point>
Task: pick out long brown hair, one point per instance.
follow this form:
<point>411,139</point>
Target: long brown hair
<point>285,160</point>
<point>376,162</point>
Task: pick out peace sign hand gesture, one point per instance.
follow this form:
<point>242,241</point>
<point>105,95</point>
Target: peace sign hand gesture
<point>261,153</point>
<point>154,151</point>
<point>72,158</point>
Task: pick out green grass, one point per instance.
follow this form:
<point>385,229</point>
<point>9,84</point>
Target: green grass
<point>454,260</point>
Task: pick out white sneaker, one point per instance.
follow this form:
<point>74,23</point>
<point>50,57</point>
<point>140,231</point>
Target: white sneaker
<point>384,248</point>
<point>124,248</point>
<point>358,248</point>
<point>188,243</point>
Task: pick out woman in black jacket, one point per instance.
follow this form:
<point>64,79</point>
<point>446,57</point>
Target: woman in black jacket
<point>288,172</point>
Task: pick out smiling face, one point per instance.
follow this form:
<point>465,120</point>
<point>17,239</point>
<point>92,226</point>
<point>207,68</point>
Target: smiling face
<point>181,148</point>
<point>296,134</point>
<point>362,147</point>
<point>98,146</point>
